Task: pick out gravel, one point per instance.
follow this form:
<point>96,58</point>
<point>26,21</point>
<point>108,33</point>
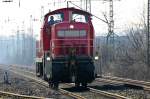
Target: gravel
<point>132,93</point>
<point>20,85</point>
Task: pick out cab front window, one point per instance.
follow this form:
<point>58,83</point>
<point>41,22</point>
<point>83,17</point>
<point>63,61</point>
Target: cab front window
<point>79,18</point>
<point>55,18</point>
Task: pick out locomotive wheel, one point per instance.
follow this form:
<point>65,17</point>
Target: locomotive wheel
<point>37,75</point>
<point>44,77</point>
<point>84,84</point>
<point>37,69</point>
<point>41,69</point>
<point>51,85</point>
<point>55,85</point>
<point>77,84</point>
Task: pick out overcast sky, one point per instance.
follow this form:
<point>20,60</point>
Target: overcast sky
<point>126,12</point>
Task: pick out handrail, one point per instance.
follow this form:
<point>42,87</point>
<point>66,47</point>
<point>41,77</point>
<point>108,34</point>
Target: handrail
<point>72,39</point>
<point>70,46</point>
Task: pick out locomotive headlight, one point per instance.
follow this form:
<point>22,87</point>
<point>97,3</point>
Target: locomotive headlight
<point>96,57</point>
<point>48,58</point>
<point>71,26</point>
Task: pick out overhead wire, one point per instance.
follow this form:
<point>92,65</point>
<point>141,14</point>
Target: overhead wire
<point>105,21</point>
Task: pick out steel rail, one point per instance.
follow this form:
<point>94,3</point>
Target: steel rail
<point>64,92</point>
<point>127,80</point>
<point>108,94</point>
<point>71,94</point>
<point>22,69</point>
<point>118,80</point>
<point>14,95</point>
<point>105,93</point>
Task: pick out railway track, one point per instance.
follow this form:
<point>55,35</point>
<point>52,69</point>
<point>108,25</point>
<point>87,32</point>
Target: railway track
<point>112,80</point>
<point>115,80</point>
<point>38,81</point>
<point>86,95</point>
<point>80,95</point>
<point>126,87</point>
<point>32,76</point>
<point>114,96</point>
<point>8,95</point>
<point>143,84</point>
<point>99,92</point>
<point>64,92</point>
<point>107,80</point>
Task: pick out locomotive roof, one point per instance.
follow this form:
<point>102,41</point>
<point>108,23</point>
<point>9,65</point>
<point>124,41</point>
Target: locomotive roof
<point>69,9</point>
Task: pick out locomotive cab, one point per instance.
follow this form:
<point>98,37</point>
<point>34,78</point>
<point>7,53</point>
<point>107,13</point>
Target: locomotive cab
<point>67,47</point>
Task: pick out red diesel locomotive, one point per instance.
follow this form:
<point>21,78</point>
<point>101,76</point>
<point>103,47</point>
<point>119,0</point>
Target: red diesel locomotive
<point>65,51</point>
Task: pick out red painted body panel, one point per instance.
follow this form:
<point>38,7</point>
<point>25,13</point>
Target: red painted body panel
<point>60,46</point>
<point>80,44</point>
